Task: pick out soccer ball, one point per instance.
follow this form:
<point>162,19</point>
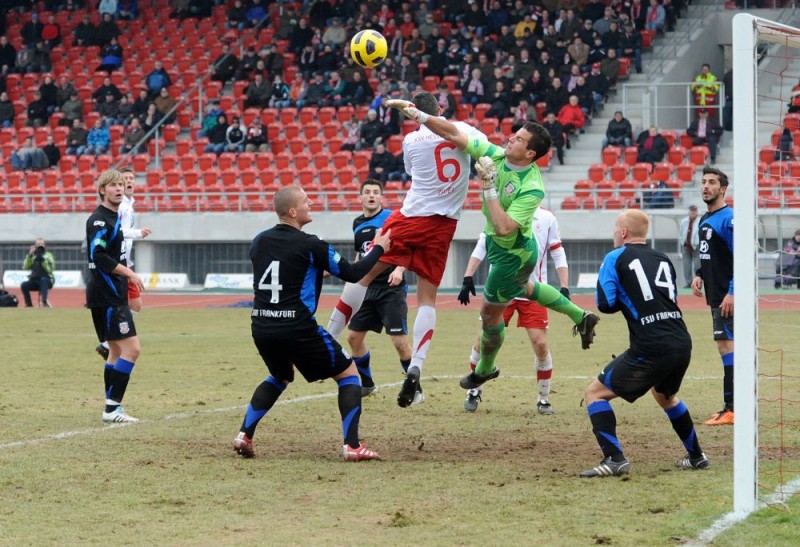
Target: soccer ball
<point>368,48</point>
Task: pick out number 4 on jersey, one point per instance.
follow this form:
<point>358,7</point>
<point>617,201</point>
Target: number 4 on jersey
<point>272,273</point>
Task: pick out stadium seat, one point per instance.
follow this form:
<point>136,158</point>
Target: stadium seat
<point>641,172</point>
<point>288,115</point>
<point>618,172</point>
<point>246,160</point>
<point>140,162</point>
<point>611,155</point>
<point>316,146</point>
<point>481,110</point>
<point>270,116</point>
<point>597,172</point>
<point>676,155</point>
<point>631,155</point>
<point>605,189</point>
<point>85,163</point>
<point>297,145</point>
<point>323,160</point>
<point>309,114</point>
<point>103,162</point>
<point>671,136</point>
<point>67,163</point>
<point>342,159</point>
<point>698,155</point>
<point>583,188</point>
<point>589,203</point>
<point>301,160</point>
<point>661,171</point>
<point>344,113</point>
<point>327,114</point>
<point>684,172</point>
<point>627,190</point>
<point>614,203</point>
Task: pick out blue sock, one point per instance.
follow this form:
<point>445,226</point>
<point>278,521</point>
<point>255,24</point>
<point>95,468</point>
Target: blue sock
<point>727,380</point>
<point>682,424</point>
<point>119,376</point>
<point>264,397</point>
<point>350,409</point>
<point>604,426</point>
<point>362,364</point>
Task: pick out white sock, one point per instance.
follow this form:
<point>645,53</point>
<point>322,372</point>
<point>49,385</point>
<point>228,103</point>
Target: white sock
<point>105,345</point>
<point>544,370</point>
<point>424,325</point>
<point>349,303</point>
<point>474,357</point>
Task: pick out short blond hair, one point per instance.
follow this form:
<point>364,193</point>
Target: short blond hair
<point>636,222</point>
<point>107,177</point>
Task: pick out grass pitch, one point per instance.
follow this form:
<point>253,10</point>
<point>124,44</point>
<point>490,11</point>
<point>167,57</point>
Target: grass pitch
<point>504,475</point>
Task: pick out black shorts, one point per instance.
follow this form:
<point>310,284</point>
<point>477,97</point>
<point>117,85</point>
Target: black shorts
<point>632,375</point>
<point>383,307</point>
<point>115,323</point>
<point>317,355</point>
<point>723,326</point>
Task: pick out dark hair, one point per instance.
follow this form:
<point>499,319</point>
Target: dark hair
<point>427,103</point>
<point>540,141</point>
<point>723,178</point>
<point>126,169</point>
<point>371,182</point>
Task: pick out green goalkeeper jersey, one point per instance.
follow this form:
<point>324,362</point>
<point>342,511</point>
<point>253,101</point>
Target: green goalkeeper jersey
<point>519,192</point>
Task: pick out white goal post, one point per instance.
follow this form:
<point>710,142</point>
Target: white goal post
<point>748,31</point>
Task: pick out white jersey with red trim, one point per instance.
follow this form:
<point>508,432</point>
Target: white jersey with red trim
<point>439,173</point>
<point>548,241</point>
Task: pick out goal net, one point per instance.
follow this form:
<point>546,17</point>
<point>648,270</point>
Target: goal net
<point>766,68</point>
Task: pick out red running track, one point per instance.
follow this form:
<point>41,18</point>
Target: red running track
<point>74,298</point>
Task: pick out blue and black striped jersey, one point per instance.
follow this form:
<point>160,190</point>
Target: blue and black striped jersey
<point>640,282</point>
<point>288,266</point>
<point>716,254</point>
<point>363,233</point>
<point>105,249</point>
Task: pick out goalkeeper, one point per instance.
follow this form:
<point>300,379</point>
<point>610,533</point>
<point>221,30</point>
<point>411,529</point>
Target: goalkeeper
<point>512,191</point>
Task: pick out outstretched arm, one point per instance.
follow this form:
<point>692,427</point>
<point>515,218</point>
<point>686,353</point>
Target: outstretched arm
<point>440,126</point>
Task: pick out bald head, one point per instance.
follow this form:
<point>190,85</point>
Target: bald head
<point>286,198</point>
<point>636,221</point>
<point>631,227</point>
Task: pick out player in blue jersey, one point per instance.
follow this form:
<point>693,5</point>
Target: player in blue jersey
<point>288,267</point>
<point>640,282</point>
<point>716,275</point>
<point>385,304</point>
<point>107,293</point>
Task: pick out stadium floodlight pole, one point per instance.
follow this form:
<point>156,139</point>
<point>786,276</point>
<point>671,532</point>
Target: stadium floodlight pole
<point>745,259</point>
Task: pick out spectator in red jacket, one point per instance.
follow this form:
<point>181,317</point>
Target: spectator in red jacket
<point>572,118</point>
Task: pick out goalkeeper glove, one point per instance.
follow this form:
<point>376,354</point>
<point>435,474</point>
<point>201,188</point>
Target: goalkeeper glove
<point>466,287</point>
<point>565,292</point>
<point>488,174</point>
<point>408,109</point>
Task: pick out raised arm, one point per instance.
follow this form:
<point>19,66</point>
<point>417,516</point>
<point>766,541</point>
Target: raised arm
<point>440,126</point>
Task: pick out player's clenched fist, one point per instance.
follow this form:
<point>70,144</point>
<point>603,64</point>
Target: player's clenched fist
<point>486,171</point>
<point>408,109</point>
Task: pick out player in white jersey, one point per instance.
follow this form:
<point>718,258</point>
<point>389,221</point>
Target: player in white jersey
<point>127,220</point>
<point>421,234</point>
<point>530,315</point>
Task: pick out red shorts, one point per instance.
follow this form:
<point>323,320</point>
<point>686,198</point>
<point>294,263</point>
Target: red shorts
<point>133,292</point>
<point>420,244</point>
<point>530,315</point>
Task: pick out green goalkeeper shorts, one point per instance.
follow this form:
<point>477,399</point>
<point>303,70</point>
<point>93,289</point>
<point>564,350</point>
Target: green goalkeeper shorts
<point>509,272</point>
